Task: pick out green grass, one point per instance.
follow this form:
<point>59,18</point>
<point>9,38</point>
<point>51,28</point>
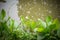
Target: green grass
<point>29,29</point>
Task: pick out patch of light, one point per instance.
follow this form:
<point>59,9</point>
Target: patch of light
<point>26,17</point>
<point>42,15</point>
<point>28,12</point>
<point>32,16</point>
<point>20,7</point>
<point>39,13</point>
<point>45,3</point>
<point>50,11</point>
<point>35,3</point>
<point>38,18</point>
<point>30,8</point>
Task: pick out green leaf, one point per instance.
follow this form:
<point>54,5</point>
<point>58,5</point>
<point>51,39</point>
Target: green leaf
<point>58,32</point>
<point>11,26</point>
<point>48,20</point>
<point>39,37</point>
<point>40,29</point>
<point>3,14</point>
<point>33,24</point>
<point>41,23</point>
<point>52,27</point>
<point>23,20</point>
<point>56,22</point>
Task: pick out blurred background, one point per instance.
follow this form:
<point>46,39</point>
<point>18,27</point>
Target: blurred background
<point>34,9</point>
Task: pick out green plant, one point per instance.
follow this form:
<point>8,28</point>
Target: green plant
<point>45,30</point>
<point>5,30</point>
<point>9,31</point>
<point>50,30</point>
<point>29,29</point>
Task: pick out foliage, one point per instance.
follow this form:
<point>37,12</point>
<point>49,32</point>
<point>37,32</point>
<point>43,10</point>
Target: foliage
<point>51,31</point>
<point>29,29</point>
